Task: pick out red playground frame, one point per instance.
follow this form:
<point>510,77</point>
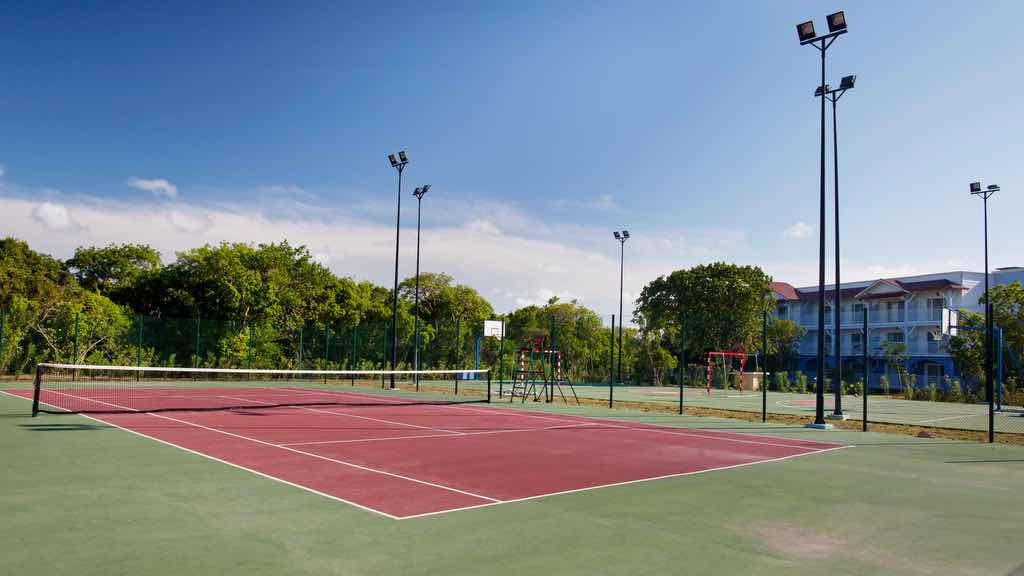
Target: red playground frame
<point>743,361</point>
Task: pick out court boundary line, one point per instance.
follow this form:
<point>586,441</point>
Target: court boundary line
<point>492,501</point>
<point>625,483</point>
<point>591,419</point>
<point>310,454</point>
<point>231,464</point>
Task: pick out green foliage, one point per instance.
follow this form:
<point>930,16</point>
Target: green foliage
<point>1008,312</point>
<point>782,383</point>
<point>932,391</point>
<point>115,267</point>
<point>967,348</point>
<point>801,382</point>
<point>909,385</point>
<point>883,383</point>
<point>855,388</point>
<point>783,340</point>
<point>955,394</point>
<point>723,305</point>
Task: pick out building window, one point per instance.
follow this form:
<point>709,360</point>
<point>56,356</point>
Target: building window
<point>894,337</point>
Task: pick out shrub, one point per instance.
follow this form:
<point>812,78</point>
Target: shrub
<point>884,383</point>
<point>955,395</point>
<point>909,385</point>
<point>933,392</point>
<point>801,382</point>
<point>782,381</point>
<point>855,388</point>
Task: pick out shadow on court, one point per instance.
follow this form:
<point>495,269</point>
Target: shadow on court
<point>63,427</point>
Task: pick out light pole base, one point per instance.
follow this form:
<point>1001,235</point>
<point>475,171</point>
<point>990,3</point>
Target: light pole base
<point>817,426</point>
<point>835,416</point>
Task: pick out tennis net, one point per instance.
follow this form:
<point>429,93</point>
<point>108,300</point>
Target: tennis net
<point>85,389</point>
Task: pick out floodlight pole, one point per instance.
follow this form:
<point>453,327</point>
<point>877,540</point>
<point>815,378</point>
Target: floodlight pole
<point>822,44</point>
<point>622,262</point>
<point>400,166</point>
<point>837,413</point>
<point>419,193</point>
<point>989,388</point>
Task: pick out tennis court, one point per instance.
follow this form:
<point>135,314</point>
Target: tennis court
<point>404,459</point>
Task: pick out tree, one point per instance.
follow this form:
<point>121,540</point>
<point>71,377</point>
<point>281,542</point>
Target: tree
<point>1008,312</point>
<point>723,305</point>
<point>117,266</point>
<point>968,347</point>
<point>895,355</point>
<point>784,337</point>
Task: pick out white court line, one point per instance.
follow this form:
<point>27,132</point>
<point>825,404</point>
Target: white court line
<point>625,483</point>
<point>232,464</point>
<point>493,501</point>
<point>947,418</point>
<point>459,435</point>
<point>310,454</point>
<point>657,428</point>
<point>322,411</point>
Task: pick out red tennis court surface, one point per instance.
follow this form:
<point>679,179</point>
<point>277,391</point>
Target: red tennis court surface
<point>414,460</point>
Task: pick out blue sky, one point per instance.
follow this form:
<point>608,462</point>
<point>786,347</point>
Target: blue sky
<point>541,127</point>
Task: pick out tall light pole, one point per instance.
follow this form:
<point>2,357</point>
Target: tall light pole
<point>398,164</point>
<point>985,194</point>
<point>805,31</point>
<point>419,193</point>
<point>621,237</point>
<point>837,301</point>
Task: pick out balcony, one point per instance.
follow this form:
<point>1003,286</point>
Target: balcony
<point>927,314</point>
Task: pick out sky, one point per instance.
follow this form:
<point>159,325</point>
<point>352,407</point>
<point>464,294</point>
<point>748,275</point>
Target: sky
<point>541,127</point>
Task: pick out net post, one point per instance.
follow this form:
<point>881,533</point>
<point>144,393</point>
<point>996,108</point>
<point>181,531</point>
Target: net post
<point>35,390</point>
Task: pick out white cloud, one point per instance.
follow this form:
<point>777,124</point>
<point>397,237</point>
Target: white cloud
<point>798,231</point>
<point>53,216</point>
<point>157,186</point>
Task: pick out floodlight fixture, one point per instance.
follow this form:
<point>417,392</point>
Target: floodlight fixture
<point>847,82</point>
<point>625,233</point>
<point>993,188</point>
<point>421,191</point>
<point>822,90</point>
<point>836,22</point>
<point>393,160</point>
<point>617,236</point>
<point>975,187</point>
<point>402,156</point>
<point>805,31</point>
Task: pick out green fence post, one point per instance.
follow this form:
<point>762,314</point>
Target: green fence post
<point>2,365</point>
<point>300,347</point>
<point>248,352</point>
<point>138,350</point>
<point>384,355</point>
<point>195,362</point>
<point>682,359</point>
<point>611,364</point>
<point>353,365</point>
<point>501,360</point>
<point>764,371</point>
<point>327,349</point>
<point>75,359</point>
<point>867,374</point>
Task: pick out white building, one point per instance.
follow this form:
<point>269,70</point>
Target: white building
<point>908,310</point>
